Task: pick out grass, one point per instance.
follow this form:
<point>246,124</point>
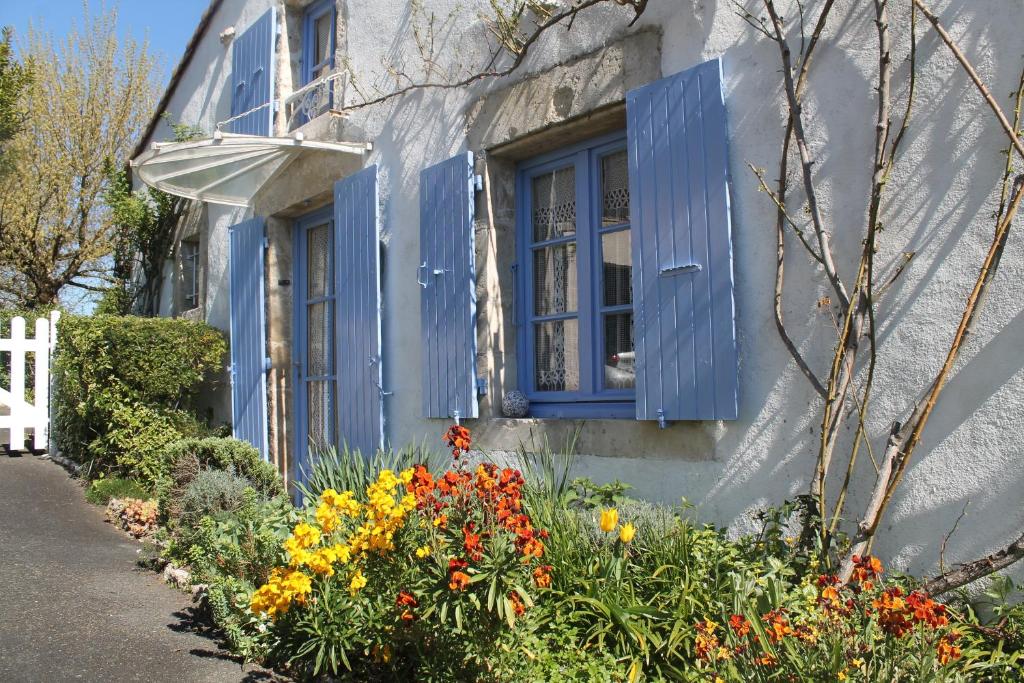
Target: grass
<point>100,491</point>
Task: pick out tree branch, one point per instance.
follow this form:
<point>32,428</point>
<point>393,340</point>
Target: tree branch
<point>980,568</point>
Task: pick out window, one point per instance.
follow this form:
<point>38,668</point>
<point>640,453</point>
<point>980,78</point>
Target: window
<point>575,272</point>
<point>190,273</point>
<point>318,40</point>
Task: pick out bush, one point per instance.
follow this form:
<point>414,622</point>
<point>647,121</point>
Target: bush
<point>182,461</point>
<point>125,387</point>
<point>211,493</point>
<point>100,491</point>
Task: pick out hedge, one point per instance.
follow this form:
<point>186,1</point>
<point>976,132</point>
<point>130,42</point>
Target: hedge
<point>125,388</point>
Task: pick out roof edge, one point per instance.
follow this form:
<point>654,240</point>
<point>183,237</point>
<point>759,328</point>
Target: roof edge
<point>179,71</point>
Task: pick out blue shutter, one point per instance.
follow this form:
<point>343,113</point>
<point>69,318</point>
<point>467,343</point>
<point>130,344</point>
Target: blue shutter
<point>357,304</point>
<point>682,249</point>
<point>249,361</point>
<point>252,77</point>
<point>447,277</point>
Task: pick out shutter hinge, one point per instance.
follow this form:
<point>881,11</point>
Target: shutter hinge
<point>266,243</point>
<point>267,364</point>
<point>662,423</point>
<point>481,386</point>
<point>456,416</point>
<point>478,182</point>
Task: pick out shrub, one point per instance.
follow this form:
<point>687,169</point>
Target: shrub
<point>125,387</point>
<point>136,516</point>
<point>181,461</point>
<point>100,491</point>
<point>211,493</point>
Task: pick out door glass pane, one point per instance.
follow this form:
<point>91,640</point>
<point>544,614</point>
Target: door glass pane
<point>554,204</point>
<point>318,338</point>
<point>319,409</point>
<point>554,279</point>
<point>617,268</point>
<point>614,189</point>
<point>556,346</point>
<point>323,29</point>
<point>318,259</point>
<point>619,357</point>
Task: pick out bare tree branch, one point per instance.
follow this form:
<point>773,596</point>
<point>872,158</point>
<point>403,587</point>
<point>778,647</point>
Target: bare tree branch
<point>972,571</point>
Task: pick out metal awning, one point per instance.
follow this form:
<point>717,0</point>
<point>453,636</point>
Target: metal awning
<point>227,168</point>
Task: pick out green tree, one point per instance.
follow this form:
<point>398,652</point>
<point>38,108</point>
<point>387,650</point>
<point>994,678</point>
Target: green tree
<point>87,104</point>
<point>14,78</point>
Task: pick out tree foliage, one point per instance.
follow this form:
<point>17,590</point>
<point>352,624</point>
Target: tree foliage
<point>14,78</point>
<point>89,100</point>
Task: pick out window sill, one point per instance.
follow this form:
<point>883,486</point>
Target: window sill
<point>623,410</point>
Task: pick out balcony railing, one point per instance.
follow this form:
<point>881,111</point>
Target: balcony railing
<point>314,98</point>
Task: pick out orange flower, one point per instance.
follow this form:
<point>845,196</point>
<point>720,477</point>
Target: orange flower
<point>458,581</point>
<point>778,626</point>
<point>471,543</point>
<point>458,439</point>
<point>739,625</point>
<point>542,576</point>
<point>865,569</point>
<point>946,648</point>
<point>893,615</point>
<point>406,602</point>
<point>706,642</point>
<point>517,603</point>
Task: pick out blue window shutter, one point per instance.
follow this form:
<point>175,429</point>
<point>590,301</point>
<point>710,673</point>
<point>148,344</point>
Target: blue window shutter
<point>249,361</point>
<point>682,249</point>
<point>447,277</point>
<point>357,305</point>
<point>252,77</point>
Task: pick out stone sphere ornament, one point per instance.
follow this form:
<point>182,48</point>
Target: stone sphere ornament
<point>515,404</point>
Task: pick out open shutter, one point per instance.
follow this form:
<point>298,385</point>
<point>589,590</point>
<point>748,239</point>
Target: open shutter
<point>357,297</point>
<point>682,248</point>
<point>249,361</point>
<point>252,77</point>
<point>447,277</point>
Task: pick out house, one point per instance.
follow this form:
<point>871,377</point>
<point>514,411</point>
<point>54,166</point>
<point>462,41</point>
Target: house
<point>583,230</point>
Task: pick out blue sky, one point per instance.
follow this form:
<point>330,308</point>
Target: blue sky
<point>168,24</point>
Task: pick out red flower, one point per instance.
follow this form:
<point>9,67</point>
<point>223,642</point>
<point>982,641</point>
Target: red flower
<point>946,648</point>
<point>865,569</point>
<point>471,543</point>
<point>778,626</point>
<point>406,602</point>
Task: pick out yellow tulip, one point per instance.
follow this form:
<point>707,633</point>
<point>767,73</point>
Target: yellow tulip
<point>609,519</point>
<point>627,532</point>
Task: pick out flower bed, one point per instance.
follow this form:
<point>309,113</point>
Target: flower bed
<point>480,572</point>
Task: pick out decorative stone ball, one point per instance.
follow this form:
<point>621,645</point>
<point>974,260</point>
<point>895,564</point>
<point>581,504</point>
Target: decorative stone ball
<point>515,404</point>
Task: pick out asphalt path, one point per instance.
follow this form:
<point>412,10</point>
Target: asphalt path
<point>73,604</point>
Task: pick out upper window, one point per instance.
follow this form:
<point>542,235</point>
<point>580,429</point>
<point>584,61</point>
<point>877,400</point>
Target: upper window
<point>190,273</point>
<point>318,40</point>
<point>576,336</point>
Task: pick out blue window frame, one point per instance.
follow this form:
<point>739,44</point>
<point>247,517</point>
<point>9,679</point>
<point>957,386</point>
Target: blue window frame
<point>574,304</point>
<point>318,29</point>
<point>314,347</point>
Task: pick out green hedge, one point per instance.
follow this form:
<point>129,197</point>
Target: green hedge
<point>125,389</point>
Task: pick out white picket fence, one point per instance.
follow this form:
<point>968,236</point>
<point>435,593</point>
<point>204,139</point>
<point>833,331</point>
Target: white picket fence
<point>17,415</point>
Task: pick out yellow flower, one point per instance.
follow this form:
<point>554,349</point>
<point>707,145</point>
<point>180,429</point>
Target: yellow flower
<point>842,675</point>
<point>857,663</point>
<point>327,518</point>
<point>609,519</point>
<point>405,476</point>
<point>357,583</point>
<point>627,532</point>
<point>423,552</point>
<point>306,535</point>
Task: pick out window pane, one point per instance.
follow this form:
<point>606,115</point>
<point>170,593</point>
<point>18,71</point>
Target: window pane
<point>557,361</point>
<point>620,360</point>
<point>617,270</point>
<point>320,414</point>
<point>323,29</point>
<point>554,204</point>
<point>614,189</point>
<point>554,279</point>
<point>318,259</point>
<point>318,338</point>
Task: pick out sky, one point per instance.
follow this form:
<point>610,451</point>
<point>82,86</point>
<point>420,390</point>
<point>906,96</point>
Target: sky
<point>168,24</point>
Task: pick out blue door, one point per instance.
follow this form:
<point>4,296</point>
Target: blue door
<point>315,425</point>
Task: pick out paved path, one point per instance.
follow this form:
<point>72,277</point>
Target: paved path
<point>73,605</point>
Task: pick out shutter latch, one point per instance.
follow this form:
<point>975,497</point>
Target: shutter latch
<point>662,423</point>
<point>421,282</point>
<point>681,268</point>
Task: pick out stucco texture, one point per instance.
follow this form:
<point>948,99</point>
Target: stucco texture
<point>938,204</point>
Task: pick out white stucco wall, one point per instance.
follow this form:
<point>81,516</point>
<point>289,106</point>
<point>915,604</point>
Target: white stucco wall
<point>939,204</point>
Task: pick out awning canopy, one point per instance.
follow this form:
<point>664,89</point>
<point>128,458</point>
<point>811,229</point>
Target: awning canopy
<point>227,168</point>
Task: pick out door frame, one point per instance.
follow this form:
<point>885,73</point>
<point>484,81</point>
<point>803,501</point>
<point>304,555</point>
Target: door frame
<point>300,230</point>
